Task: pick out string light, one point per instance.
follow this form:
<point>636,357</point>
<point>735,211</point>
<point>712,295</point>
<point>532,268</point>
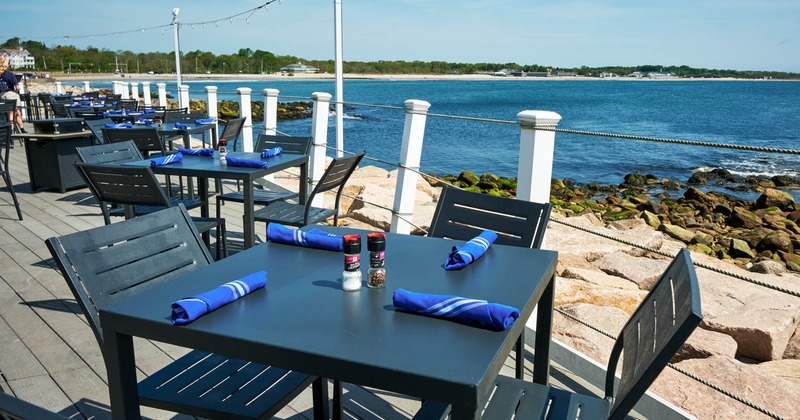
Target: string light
<point>216,22</point>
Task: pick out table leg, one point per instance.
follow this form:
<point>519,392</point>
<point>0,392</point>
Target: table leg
<point>464,414</point>
<point>319,396</point>
<point>303,182</point>
<point>544,332</point>
<point>248,220</point>
<point>121,369</point>
<point>202,188</point>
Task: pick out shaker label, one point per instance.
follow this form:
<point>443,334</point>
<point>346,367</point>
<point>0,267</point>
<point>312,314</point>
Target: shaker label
<point>352,262</point>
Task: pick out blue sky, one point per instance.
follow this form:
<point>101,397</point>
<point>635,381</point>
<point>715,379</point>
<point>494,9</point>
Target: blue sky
<point>719,34</point>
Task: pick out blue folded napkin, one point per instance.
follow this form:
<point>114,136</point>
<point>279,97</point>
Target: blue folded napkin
<point>114,112</point>
<point>206,151</point>
<point>135,113</point>
<point>167,159</point>
<point>145,121</point>
<point>247,163</point>
<point>180,126</point>
<point>471,251</point>
<point>271,152</point>
<point>190,308</point>
<point>205,121</point>
<point>149,111</point>
<point>119,125</point>
<point>314,238</point>
<point>494,316</point>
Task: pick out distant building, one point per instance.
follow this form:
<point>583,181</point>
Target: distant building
<point>299,68</point>
<point>19,58</point>
<point>608,74</point>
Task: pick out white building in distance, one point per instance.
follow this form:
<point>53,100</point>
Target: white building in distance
<point>19,58</point>
<point>299,68</point>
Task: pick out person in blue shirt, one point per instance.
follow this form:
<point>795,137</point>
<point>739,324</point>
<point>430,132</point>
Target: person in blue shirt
<point>9,90</point>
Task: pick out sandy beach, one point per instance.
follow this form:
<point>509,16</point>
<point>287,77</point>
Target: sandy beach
<point>64,77</point>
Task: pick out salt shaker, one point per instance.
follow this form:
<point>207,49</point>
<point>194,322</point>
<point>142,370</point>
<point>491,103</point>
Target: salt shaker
<point>223,151</point>
<point>376,275</point>
<point>351,276</point>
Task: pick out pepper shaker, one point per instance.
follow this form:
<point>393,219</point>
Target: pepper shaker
<point>376,275</point>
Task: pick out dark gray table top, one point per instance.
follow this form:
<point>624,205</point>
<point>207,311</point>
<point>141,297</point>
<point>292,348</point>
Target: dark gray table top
<point>210,167</point>
<point>303,320</point>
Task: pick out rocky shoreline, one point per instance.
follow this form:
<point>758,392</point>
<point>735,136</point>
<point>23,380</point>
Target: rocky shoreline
<point>759,235</point>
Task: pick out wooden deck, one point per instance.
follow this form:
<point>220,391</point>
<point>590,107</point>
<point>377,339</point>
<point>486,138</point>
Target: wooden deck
<point>48,354</point>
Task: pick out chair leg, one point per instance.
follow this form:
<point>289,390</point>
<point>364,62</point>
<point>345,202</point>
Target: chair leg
<point>319,391</point>
<point>7,178</point>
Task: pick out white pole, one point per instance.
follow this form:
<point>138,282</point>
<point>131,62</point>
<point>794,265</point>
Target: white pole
<point>245,110</point>
<point>410,156</point>
<point>162,94</point>
<point>337,12</point>
<point>319,132</point>
<point>175,30</point>
<point>146,93</point>
<point>271,111</point>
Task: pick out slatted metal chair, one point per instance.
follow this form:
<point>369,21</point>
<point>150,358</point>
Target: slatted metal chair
<point>13,408</point>
<point>147,139</point>
<point>334,178</point>
<point>463,215</point>
<point>96,127</point>
<point>263,197</point>
<point>653,334</point>
<point>232,131</point>
<point>105,264</point>
<point>139,192</point>
<point>5,142</point>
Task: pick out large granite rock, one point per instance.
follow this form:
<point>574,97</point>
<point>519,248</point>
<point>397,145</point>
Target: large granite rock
<point>573,291</point>
<point>761,327</point>
<point>745,381</point>
<point>704,343</point>
<point>642,271</point>
<point>584,339</point>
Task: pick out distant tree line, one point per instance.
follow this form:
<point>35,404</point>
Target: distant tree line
<point>66,58</point>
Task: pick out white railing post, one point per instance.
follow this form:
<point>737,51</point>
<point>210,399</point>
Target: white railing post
<point>146,94</point>
<point>135,91</point>
<point>58,88</point>
<point>245,110</point>
<point>183,96</point>
<point>86,88</point>
<point>115,87</point>
<point>535,169</point>
<point>410,155</point>
<point>162,95</point>
<point>271,111</point>
<point>319,134</point>
<point>123,86</point>
<point>211,94</point>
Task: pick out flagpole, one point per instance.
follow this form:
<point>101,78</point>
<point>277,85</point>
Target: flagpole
<point>175,26</point>
<point>337,12</point>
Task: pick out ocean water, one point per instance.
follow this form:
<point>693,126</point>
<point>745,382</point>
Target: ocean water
<point>751,113</point>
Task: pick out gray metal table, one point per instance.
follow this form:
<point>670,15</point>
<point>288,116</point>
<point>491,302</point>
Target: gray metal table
<point>304,321</point>
<point>204,167</point>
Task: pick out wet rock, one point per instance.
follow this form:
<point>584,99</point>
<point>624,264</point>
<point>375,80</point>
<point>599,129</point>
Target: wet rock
<point>677,232</point>
<point>468,178</point>
<point>741,217</point>
<point>777,241</point>
<point>740,249</point>
<point>702,249</point>
<point>775,198</point>
<point>785,181</point>
<point>651,219</point>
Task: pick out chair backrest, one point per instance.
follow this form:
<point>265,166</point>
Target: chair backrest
<point>7,107</point>
<point>112,98</point>
<point>184,118</point>
<point>146,139</point>
<point>654,333</point>
<point>232,131</point>
<point>46,100</point>
<point>130,104</point>
<point>59,110</point>
<point>125,151</point>
<point>335,176</point>
<point>289,144</point>
<point>127,185</point>
<point>107,263</point>
<point>96,127</point>
<point>463,215</point>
